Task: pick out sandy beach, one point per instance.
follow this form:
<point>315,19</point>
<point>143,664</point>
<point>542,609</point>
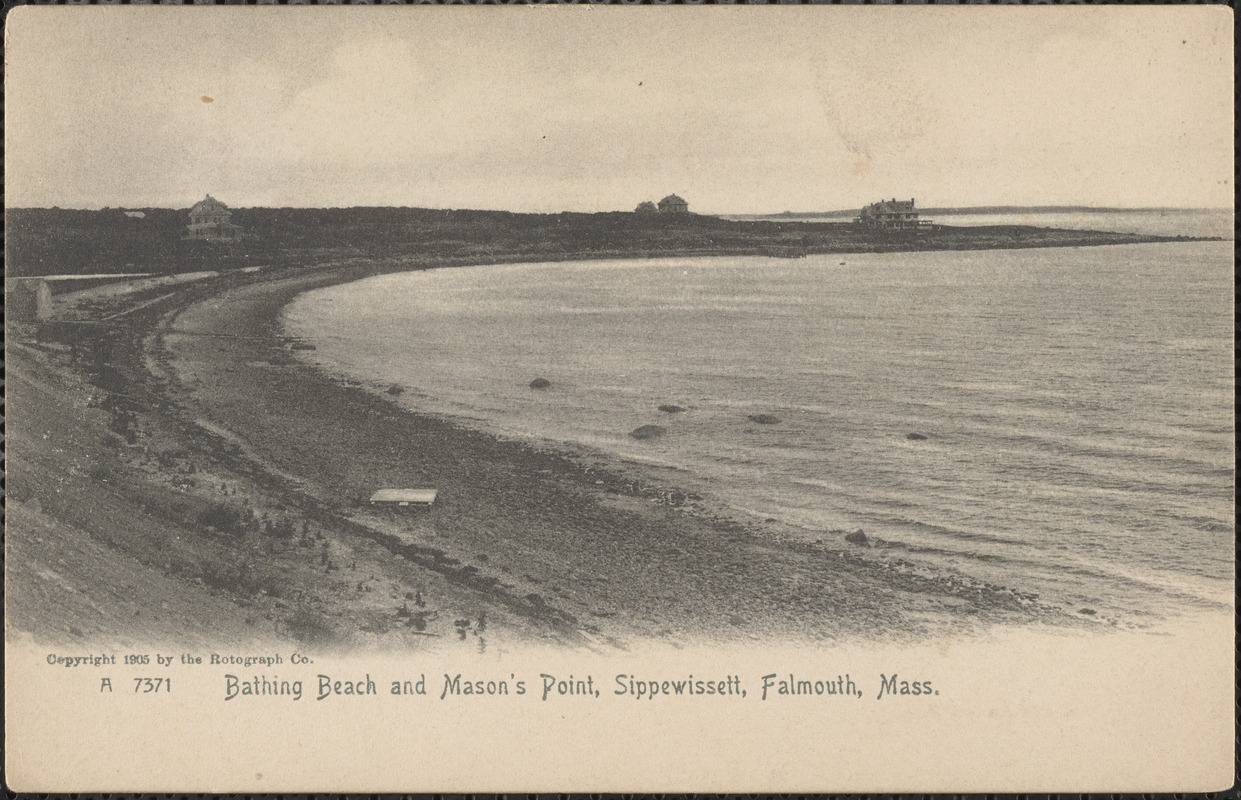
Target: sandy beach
<point>524,543</point>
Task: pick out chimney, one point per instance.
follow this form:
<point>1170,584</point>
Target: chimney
<point>911,201</point>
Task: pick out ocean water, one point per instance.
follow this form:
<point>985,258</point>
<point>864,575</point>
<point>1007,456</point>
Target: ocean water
<point>1171,222</point>
<point>1166,222</point>
<point>1077,403</point>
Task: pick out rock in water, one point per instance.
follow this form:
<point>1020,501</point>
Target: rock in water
<point>540,383</point>
<point>916,437</point>
<point>857,537</point>
<point>764,419</point>
<point>671,409</point>
<point>648,432</point>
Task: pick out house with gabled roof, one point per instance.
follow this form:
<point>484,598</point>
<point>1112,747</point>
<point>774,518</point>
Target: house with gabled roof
<point>211,220</point>
<point>891,215</point>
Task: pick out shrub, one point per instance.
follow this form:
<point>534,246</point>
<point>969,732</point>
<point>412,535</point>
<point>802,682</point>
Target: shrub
<point>310,627</point>
<point>224,518</point>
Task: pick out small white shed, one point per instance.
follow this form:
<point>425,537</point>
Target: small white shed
<point>404,497</point>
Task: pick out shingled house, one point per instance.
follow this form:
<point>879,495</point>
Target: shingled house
<point>211,220</point>
<point>892,215</point>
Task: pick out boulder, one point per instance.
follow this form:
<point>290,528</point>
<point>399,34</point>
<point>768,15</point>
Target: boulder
<point>857,537</point>
<point>764,419</point>
<point>916,437</point>
<point>540,383</point>
<point>648,432</point>
<point>671,409</point>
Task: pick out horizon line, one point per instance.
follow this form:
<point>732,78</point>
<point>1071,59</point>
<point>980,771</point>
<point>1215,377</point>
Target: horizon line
<point>993,208</point>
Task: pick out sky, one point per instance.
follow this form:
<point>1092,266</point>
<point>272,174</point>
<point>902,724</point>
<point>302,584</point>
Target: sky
<point>738,109</point>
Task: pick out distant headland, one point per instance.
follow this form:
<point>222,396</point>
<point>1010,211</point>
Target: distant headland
<point>55,241</point>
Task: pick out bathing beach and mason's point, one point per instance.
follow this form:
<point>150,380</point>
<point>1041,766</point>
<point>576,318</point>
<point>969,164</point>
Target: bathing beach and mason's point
<point>720,336</point>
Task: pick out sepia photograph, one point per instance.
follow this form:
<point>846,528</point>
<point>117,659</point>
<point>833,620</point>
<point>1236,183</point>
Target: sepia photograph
<point>590,398</point>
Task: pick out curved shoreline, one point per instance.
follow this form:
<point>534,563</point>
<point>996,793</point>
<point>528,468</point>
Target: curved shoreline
<point>198,406</point>
<point>535,543</point>
<point>575,546</point>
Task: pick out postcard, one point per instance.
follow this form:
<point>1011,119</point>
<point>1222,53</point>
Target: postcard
<point>583,398</point>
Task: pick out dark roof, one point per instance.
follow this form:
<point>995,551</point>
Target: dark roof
<point>890,205</point>
<point>208,204</point>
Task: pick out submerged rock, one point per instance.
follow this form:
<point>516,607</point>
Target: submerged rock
<point>764,419</point>
<point>857,537</point>
<point>916,437</point>
<point>540,383</point>
<point>671,409</point>
<point>648,432</point>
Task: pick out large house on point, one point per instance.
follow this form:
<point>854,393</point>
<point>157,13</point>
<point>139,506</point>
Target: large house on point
<point>891,215</point>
